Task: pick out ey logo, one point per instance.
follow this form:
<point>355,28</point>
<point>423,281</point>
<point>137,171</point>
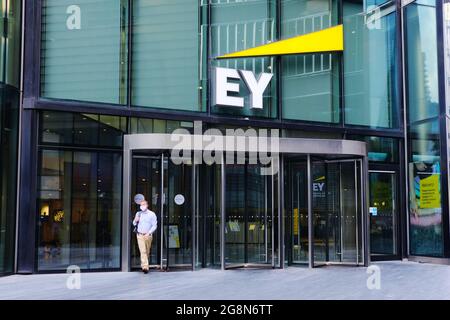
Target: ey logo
<point>227,93</point>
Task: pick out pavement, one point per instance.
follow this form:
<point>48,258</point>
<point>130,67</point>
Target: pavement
<point>397,280</point>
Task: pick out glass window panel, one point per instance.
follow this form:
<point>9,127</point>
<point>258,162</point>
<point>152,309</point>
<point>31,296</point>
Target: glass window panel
<point>108,220</point>
<point>111,129</point>
<point>57,127</point>
<point>54,210</point>
<point>79,210</point>
<point>65,128</point>
<point>237,25</point>
<point>85,129</point>
<point>425,192</point>
<point>383,221</point>
<point>370,67</point>
<point>424,167</point>
<point>166,54</point>
<point>310,82</point>
<point>9,133</point>
<point>141,125</point>
<point>421,62</point>
<point>159,126</point>
<point>380,149</point>
<point>10,48</point>
<point>84,50</point>
<point>371,4</point>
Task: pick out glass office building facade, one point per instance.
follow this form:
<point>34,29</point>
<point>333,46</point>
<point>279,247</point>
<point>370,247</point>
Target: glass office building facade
<point>89,101</point>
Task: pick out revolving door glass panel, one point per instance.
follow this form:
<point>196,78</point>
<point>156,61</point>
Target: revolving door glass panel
<point>337,212</point>
<point>168,189</point>
<point>249,216</point>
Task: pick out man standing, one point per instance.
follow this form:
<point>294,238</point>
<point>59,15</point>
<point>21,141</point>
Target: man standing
<point>146,222</point>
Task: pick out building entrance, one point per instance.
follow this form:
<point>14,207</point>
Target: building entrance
<point>328,228</point>
<point>250,217</point>
<point>308,208</point>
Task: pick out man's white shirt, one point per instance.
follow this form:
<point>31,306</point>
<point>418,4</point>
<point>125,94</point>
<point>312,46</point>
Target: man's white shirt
<point>147,222</point>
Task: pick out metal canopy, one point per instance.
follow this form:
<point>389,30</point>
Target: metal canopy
<point>286,145</point>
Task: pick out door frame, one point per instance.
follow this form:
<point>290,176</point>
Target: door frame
<point>154,157</point>
<point>163,207</point>
<point>362,219</point>
<point>269,212</point>
<point>389,169</point>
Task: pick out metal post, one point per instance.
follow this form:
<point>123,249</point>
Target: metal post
<point>222,214</point>
<point>194,217</point>
<point>365,211</point>
<point>161,210</point>
<point>280,200</point>
<point>126,209</point>
<point>310,215</point>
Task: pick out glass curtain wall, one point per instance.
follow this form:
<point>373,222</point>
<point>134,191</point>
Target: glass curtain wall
<point>10,48</point>
<point>79,191</point>
<point>424,158</point>
<point>310,82</point>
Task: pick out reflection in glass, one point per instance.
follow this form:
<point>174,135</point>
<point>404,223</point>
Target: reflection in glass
<point>370,67</point>
<point>10,45</point>
<point>337,212</point>
<point>82,129</point>
<point>79,210</point>
<point>425,206</point>
<point>248,217</point>
<point>310,82</point>
<point>424,169</point>
<point>146,180</point>
<point>421,62</point>
<point>142,125</point>
<point>158,181</point>
<point>178,216</point>
<point>296,206</point>
<point>380,149</point>
<point>208,223</point>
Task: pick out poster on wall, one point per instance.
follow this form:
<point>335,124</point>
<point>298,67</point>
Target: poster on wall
<point>430,195</point>
<point>425,198</point>
<point>174,237</point>
<point>234,226</point>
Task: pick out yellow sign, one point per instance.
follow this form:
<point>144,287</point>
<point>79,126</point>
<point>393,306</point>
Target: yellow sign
<point>296,221</point>
<point>326,40</point>
<point>174,237</point>
<point>430,196</point>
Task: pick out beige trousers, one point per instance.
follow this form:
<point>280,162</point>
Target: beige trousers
<point>144,243</point>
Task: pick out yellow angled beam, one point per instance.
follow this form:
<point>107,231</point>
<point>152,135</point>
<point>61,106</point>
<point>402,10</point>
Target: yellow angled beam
<point>326,40</point>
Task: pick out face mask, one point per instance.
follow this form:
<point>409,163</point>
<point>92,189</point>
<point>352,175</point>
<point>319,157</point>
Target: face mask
<point>143,208</point>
